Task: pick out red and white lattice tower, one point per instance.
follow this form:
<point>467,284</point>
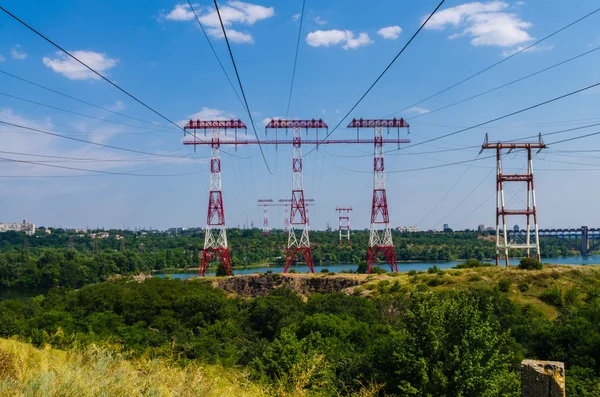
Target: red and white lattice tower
<point>380,241</point>
<point>344,223</point>
<point>286,220</point>
<point>215,239</point>
<point>532,239</point>
<point>298,215</point>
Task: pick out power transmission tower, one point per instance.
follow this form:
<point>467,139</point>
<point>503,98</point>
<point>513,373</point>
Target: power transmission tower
<point>95,248</point>
<point>215,239</point>
<point>344,223</point>
<point>380,242</point>
<point>504,242</point>
<point>122,245</point>
<point>70,244</point>
<point>265,203</point>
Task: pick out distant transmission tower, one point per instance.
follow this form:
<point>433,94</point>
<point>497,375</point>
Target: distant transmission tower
<point>215,240</point>
<point>504,242</point>
<point>70,244</point>
<point>344,223</point>
<point>380,242</point>
<point>265,203</point>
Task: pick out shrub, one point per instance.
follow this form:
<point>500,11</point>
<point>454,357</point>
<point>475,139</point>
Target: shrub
<point>292,271</point>
<point>362,268</point>
<point>269,272</point>
<point>571,296</point>
<point>221,271</point>
<point>475,277</point>
<point>412,272</point>
<point>395,287</point>
<point>434,282</point>
<point>324,270</point>
<point>378,270</point>
<point>523,287</point>
<point>435,270</point>
<point>331,273</point>
<point>530,264</point>
<point>552,296</point>
<point>472,263</point>
<point>504,285</point>
<point>421,287</point>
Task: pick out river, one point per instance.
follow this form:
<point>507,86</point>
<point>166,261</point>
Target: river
<point>402,266</point>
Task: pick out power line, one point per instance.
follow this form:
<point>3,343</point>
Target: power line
<point>89,68</point>
<point>505,116</point>
<point>497,63</point>
<point>295,60</point>
<point>381,75</point>
<point>74,98</point>
<point>88,142</point>
<point>507,84</point>
<point>72,112</point>
<point>216,56</point>
<point>88,170</point>
<point>241,86</point>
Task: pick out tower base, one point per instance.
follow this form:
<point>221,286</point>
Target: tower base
<point>388,254</point>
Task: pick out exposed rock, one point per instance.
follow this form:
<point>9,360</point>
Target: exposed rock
<point>264,284</point>
<point>542,378</point>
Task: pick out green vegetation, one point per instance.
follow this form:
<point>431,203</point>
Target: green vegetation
<point>530,264</point>
<point>426,338</point>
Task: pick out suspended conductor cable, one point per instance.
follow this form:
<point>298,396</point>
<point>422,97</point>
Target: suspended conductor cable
<point>91,69</point>
<point>497,63</point>
<point>241,87</point>
<point>506,84</point>
<point>216,56</point>
<point>381,75</point>
<point>295,59</point>
<point>505,116</point>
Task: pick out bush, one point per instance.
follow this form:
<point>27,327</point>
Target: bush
<point>221,271</point>
<point>362,268</point>
<point>472,263</point>
<point>523,287</point>
<point>530,264</point>
<point>324,270</point>
<point>421,287</point>
<point>395,286</point>
<point>571,296</point>
<point>504,285</point>
<point>475,277</point>
<point>552,296</point>
<point>378,270</point>
<point>412,272</point>
<point>435,270</point>
<point>434,282</point>
<point>292,271</point>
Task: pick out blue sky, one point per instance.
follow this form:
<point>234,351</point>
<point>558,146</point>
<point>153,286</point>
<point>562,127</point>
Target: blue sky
<point>155,50</point>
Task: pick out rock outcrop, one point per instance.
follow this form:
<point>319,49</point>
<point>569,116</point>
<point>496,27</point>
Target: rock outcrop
<point>264,284</point>
<point>542,378</point>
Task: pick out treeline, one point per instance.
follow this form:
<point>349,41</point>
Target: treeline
<point>406,343</point>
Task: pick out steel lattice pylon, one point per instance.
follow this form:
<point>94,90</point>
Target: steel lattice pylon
<point>380,241</point>
<point>503,242</point>
<point>344,223</point>
<point>298,212</point>
<point>215,238</point>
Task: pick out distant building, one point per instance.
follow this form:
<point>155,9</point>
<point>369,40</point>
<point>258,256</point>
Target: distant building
<point>100,235</point>
<point>490,229</point>
<point>28,228</point>
<point>481,228</point>
<point>409,229</point>
<point>516,228</point>
<point>446,227</point>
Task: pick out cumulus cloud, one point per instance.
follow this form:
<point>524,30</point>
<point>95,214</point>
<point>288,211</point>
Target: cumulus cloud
<point>390,32</point>
<point>346,38</point>
<point>17,53</point>
<point>319,21</point>
<point>296,17</point>
<point>267,120</point>
<point>488,24</point>
<point>73,70</point>
<point>234,13</point>
<point>212,114</point>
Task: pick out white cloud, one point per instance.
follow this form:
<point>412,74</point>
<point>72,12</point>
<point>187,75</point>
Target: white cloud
<point>417,110</point>
<point>73,70</point>
<point>390,32</point>
<point>2,59</point>
<point>267,120</point>
<point>296,17</point>
<point>235,12</point>
<point>319,21</point>
<point>328,38</point>
<point>117,107</point>
<point>536,48</point>
<point>17,53</point>
<point>337,111</point>
<point>181,12</point>
<point>212,114</point>
<point>323,111</point>
<point>486,23</point>
<point>519,3</point>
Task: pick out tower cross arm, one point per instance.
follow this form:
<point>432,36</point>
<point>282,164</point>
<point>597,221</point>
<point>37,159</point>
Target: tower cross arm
<point>280,123</point>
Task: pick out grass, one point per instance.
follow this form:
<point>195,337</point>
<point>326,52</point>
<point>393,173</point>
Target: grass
<point>95,371</point>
